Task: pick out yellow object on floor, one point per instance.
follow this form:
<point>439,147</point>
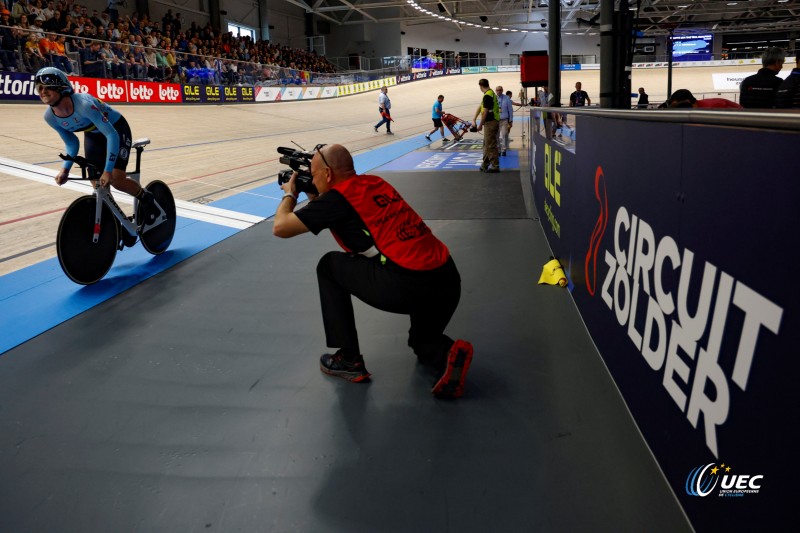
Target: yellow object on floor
<point>553,274</point>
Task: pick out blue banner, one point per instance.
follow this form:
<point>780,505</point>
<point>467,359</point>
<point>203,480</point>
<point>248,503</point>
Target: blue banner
<point>17,86</point>
<point>678,260</point>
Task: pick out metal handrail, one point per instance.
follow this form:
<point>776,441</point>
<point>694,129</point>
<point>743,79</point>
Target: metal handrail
<point>775,119</point>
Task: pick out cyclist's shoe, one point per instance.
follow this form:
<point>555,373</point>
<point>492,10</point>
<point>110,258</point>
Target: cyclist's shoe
<point>445,140</point>
<point>126,239</point>
<point>336,365</point>
<point>428,137</point>
<point>451,384</point>
<point>147,207</point>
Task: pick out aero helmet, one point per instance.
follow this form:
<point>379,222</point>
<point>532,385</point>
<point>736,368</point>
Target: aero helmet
<point>53,78</point>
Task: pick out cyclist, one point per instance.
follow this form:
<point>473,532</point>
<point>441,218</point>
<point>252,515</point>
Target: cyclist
<point>107,136</point>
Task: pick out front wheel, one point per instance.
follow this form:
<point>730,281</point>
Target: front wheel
<point>157,237</point>
<point>82,260</point>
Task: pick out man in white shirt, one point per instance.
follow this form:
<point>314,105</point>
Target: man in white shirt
<point>506,119</point>
<point>384,106</point>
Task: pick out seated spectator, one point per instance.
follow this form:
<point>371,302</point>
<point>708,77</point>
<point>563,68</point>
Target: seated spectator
<point>113,32</point>
<point>74,41</point>
<point>164,70</point>
<point>32,58</point>
<point>137,66</point>
<point>19,9</point>
<point>48,11</point>
<point>67,24</point>
<point>44,46</point>
<point>22,22</point>
<point>114,67</point>
<point>53,23</point>
<point>58,54</point>
<point>36,27</point>
<point>92,64</point>
<point>152,64</point>
<point>172,63</point>
<point>10,38</point>
<point>683,98</point>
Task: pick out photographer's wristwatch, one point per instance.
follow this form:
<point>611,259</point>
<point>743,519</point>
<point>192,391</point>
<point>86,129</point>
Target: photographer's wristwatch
<point>290,195</point>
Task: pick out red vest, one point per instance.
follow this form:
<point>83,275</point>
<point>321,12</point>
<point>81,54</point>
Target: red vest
<point>398,231</point>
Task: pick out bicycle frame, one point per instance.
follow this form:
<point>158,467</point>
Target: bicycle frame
<point>104,196</point>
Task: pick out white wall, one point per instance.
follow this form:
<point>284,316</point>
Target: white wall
<point>368,40</point>
<point>443,35</point>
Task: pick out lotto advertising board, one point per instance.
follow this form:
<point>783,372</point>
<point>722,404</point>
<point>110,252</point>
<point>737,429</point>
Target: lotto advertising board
<point>19,86</point>
<point>678,259</point>
<point>133,92</point>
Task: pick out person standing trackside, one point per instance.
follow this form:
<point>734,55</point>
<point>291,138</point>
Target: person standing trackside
<point>579,97</point>
<point>506,119</point>
<point>436,115</point>
<point>644,100</point>
<point>384,106</point>
<point>391,261</point>
<point>758,91</point>
<point>489,112</point>
<point>788,95</point>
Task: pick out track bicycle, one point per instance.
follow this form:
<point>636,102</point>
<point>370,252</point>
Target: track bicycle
<point>94,227</point>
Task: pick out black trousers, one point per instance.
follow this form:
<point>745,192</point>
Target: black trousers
<point>429,297</point>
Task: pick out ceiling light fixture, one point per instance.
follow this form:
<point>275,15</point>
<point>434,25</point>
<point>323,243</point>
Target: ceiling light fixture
<point>483,18</point>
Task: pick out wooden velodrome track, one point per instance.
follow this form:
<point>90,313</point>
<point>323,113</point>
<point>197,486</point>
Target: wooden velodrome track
<point>206,153</point>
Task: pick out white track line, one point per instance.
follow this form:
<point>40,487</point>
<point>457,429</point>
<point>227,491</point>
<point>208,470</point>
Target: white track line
<point>205,213</point>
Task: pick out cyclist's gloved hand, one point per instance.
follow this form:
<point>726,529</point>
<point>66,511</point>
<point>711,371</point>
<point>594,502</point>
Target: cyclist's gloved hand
<point>105,179</point>
<point>61,177</point>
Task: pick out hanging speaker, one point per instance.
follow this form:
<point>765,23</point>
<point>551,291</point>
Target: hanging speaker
<point>533,68</point>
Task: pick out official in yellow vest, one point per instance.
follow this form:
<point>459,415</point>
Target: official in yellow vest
<point>489,112</point>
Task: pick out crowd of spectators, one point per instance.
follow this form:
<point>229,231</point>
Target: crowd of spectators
<point>65,34</point>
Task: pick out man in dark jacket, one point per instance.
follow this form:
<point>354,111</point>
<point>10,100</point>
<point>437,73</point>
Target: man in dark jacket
<point>758,91</point>
<point>788,95</point>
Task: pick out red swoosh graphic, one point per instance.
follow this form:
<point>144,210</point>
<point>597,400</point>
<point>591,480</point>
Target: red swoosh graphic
<point>598,232</point>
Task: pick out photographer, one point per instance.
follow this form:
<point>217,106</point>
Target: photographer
<point>392,262</point>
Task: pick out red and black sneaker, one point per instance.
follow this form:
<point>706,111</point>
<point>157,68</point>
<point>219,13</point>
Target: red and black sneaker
<point>334,364</point>
<point>451,384</point>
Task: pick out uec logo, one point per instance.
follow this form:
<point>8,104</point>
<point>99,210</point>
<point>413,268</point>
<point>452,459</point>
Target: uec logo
<point>698,483</point>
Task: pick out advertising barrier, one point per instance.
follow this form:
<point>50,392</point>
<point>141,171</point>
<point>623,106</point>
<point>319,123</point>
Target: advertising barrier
<point>678,261</point>
<point>16,86</point>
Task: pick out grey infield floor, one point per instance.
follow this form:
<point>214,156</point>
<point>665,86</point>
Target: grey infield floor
<point>194,402</point>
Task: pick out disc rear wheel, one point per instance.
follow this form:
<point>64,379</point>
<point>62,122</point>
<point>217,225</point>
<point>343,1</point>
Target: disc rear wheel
<point>156,239</point>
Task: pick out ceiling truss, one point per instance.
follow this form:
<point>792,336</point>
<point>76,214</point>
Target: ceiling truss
<point>652,17</point>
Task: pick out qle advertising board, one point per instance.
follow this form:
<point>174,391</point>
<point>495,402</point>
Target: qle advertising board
<point>679,260</point>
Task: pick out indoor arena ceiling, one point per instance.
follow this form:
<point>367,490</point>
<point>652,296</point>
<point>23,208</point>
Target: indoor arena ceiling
<point>655,17</point>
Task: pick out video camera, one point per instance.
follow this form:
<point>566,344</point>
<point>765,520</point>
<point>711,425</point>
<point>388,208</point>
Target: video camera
<point>300,162</point>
